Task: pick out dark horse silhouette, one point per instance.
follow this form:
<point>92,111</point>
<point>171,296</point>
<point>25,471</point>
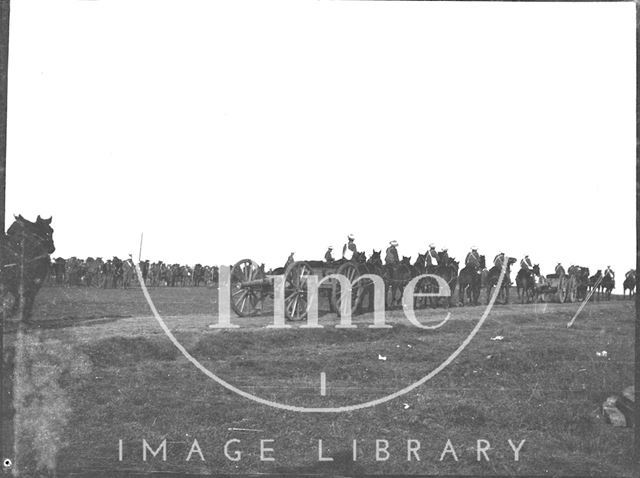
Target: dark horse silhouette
<point>608,284</point>
<point>595,284</point>
<point>470,281</point>
<point>24,264</point>
<point>526,283</point>
<point>492,280</point>
<point>395,278</point>
<point>447,269</point>
<point>629,283</point>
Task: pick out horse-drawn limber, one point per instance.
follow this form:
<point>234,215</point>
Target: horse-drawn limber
<point>251,286</point>
<point>556,287</point>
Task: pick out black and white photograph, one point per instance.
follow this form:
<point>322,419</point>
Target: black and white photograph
<point>318,238</point>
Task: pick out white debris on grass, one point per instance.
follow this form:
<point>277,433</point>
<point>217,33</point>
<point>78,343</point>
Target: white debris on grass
<point>381,357</point>
<point>602,354</point>
<point>497,337</point>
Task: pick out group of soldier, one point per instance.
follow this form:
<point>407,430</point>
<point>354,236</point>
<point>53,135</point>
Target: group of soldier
<point>119,273</point>
<point>434,258</point>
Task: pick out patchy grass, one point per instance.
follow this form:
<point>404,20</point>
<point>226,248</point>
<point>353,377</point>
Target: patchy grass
<point>542,383</point>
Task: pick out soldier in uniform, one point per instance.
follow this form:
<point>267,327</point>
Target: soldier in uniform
<point>349,249</point>
<point>473,259</point>
<point>328,256</point>
<point>444,255</point>
<point>391,258</point>
<point>609,271</point>
<point>560,270</point>
<point>290,260</point>
<point>498,261</point>
<point>432,256</point>
<point>526,264</point>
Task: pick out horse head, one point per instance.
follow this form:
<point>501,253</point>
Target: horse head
<point>375,258</point>
<point>483,264</point>
<point>406,260</point>
<point>39,233</point>
<point>420,261</point>
<point>360,257</point>
<point>536,269</point>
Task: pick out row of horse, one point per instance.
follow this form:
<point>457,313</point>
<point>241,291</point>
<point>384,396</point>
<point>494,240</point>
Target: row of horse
<point>118,273</point>
<point>531,285</point>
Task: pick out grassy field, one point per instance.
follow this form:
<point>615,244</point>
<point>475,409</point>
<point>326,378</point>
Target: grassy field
<point>102,370</point>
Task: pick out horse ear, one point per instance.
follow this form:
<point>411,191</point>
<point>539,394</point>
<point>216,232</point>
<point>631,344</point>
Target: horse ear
<point>47,221</point>
<point>39,219</point>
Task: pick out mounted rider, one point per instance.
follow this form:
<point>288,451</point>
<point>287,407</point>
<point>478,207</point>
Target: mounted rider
<point>444,257</point>
<point>630,273</point>
<point>526,263</point>
<point>391,258</point>
<point>609,271</point>
<point>328,256</point>
<point>432,257</point>
<point>560,270</point>
<point>498,261</point>
<point>473,259</point>
<point>349,250</point>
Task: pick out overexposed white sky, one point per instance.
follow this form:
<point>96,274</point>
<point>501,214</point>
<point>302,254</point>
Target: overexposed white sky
<point>235,129</point>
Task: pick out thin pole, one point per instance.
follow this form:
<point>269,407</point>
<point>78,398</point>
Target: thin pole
<point>140,252</point>
<point>6,369</point>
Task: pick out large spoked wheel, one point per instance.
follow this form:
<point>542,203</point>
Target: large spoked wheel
<point>351,272</point>
<point>246,295</point>
<point>296,302</point>
<point>571,289</point>
<point>562,289</point>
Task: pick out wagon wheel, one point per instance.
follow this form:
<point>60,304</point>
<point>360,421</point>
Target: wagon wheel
<point>246,299</point>
<point>571,289</point>
<point>351,272</point>
<point>561,293</point>
<point>295,290</point>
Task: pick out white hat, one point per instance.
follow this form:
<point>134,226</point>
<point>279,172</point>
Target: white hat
<point>474,248</point>
<point>330,247</point>
<point>351,236</point>
<point>432,245</point>
<point>444,248</point>
<point>394,243</point>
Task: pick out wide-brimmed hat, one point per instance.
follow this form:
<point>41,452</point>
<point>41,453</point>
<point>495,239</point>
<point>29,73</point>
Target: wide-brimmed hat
<point>351,236</point>
<point>474,248</point>
<point>393,243</point>
<point>330,247</point>
<point>432,246</point>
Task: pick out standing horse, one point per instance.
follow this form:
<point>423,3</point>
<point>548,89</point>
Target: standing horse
<point>24,263</point>
<point>608,284</point>
<point>447,269</point>
<point>582,281</point>
<point>372,265</point>
<point>526,283</point>
<point>470,282</point>
<point>595,284</point>
<point>396,276</point>
<point>629,283</point>
<point>492,280</point>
